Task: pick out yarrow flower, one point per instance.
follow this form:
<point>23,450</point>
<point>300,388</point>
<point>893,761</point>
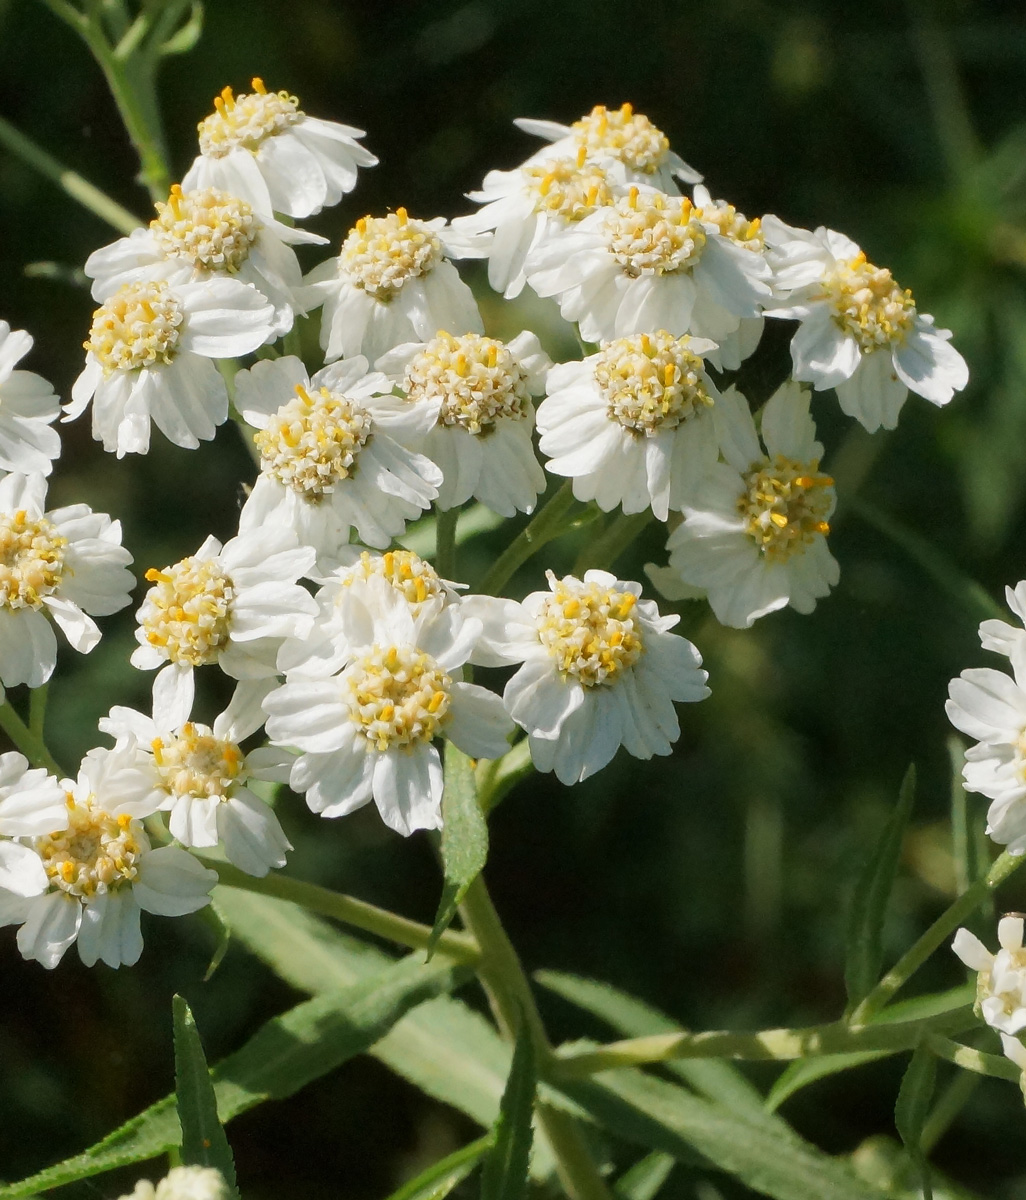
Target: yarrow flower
<point>28,406</point>
<point>182,1183</point>
<point>96,870</point>
<point>201,773</point>
<point>149,359</point>
<point>478,391</point>
<point>393,283</point>
<point>633,424</point>
<point>63,564</point>
<point>368,732</point>
<point>754,533</point>
<point>649,261</point>
<point>333,455</point>
<point>600,670</point>
<point>202,235</point>
<point>261,146</point>
<point>1001,979</point>
<point>860,333</point>
<point>32,803</point>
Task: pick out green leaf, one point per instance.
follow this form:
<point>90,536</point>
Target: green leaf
<point>288,1052</point>
<point>187,35</point>
<point>865,954</point>
<point>662,1116</point>
<point>645,1178</point>
<point>464,838</point>
<point>913,1107</point>
<point>203,1139</point>
<point>504,1176</point>
<point>213,916</point>
<point>804,1071</point>
<point>441,1177</point>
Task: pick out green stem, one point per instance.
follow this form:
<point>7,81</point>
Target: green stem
<point>28,742</point>
<point>79,189</point>
<point>445,542</point>
<point>37,710</point>
<point>973,1060</point>
<point>936,935</point>
<point>951,1102</point>
<point>768,1045</point>
<point>604,550</point>
<point>346,909</point>
<point>574,1165</point>
<point>500,776</point>
<point>548,522</point>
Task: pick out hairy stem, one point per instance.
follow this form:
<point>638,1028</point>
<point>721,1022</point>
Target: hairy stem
<point>28,741</point>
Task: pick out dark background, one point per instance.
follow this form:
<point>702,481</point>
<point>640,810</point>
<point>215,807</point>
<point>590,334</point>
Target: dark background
<point>714,883</point>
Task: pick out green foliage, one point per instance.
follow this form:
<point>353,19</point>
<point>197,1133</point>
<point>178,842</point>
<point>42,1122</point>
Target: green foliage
<point>204,1143</point>
<point>645,1178</point>
<point>438,1180</point>
<point>912,1109</point>
<point>504,1175</point>
<point>464,837</point>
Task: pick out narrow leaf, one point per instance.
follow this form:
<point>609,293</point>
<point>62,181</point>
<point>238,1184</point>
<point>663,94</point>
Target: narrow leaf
<point>187,35</point>
<point>441,1177</point>
<point>912,1109</point>
<point>213,915</point>
<point>645,1178</point>
<point>804,1071</point>
<point>464,837</point>
<point>203,1138</point>
<point>864,957</point>
<point>504,1176</point>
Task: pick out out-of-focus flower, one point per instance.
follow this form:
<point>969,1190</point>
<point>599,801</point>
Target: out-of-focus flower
<point>1001,978</point>
<point>182,1183</point>
<point>28,406</point>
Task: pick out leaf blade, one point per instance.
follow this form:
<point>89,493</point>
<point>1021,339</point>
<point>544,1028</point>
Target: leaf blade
<point>204,1143</point>
<point>464,838</point>
<point>438,1180</point>
<point>912,1109</point>
<point>504,1176</point>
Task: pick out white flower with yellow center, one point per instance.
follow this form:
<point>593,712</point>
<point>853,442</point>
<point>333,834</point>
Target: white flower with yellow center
<point>99,870</point>
<point>754,533</point>
<point>261,146</point>
<point>231,605</point>
<point>31,803</point>
<point>62,564</point>
<point>860,333</point>
<point>333,455</point>
<point>148,358</point>
<point>476,392</point>
<point>1001,978</point>
<point>201,773</point>
<point>208,234</point>
<point>600,670</point>
<point>619,135</point>
<point>649,261</point>
<point>393,283</point>
<point>633,424</point>
<point>28,406</point>
<point>369,731</point>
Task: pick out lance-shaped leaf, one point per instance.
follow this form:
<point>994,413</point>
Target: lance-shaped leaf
<point>912,1109</point>
<point>441,1177</point>
<point>464,837</point>
<point>505,1169</point>
<point>645,1178</point>
<point>204,1143</point>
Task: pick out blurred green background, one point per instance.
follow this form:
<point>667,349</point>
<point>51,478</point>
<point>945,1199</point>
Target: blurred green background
<point>714,883</point>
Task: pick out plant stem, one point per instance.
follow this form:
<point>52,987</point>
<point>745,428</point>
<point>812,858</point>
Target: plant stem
<point>89,196</point>
<point>503,774</point>
<point>935,936</point>
<point>445,542</point>
<point>346,909</point>
<point>547,523</point>
<point>37,710</point>
<point>603,552</point>
<point>973,1060</point>
<point>27,741</point>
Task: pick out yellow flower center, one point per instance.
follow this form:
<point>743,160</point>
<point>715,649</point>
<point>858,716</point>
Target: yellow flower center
<point>188,611</point>
<point>590,631</point>
<point>244,121</point>
<point>623,134</point>
<point>408,573</point>
<point>651,382</point>
<point>195,763</point>
<point>312,442</point>
<point>735,225</point>
<point>785,505</point>
<point>399,697</point>
<point>650,233</point>
<point>868,304</point>
<point>97,853</point>
<point>570,188</point>
<point>381,253</point>
<point>138,326</point>
<point>477,379</point>
<point>209,229</point>
<point>31,559</point>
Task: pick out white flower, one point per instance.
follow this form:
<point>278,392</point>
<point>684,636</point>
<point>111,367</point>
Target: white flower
<point>368,732</point>
<point>201,774</point>
<point>393,283</point>
<point>100,871</point>
<point>28,405</point>
<point>207,234</point>
<point>61,564</point>
<point>149,358</point>
<point>31,803</point>
<point>1001,979</point>
<point>477,392</point>
<point>860,333</point>
<point>183,1183</point>
<point>632,424</point>
<point>231,605</point>
<point>619,135</point>
<point>333,455</point>
<point>649,261</point>
<point>754,534</point>
<point>262,147</point>
<point>600,670</point>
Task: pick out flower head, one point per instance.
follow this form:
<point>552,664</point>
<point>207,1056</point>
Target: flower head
<point>1001,977</point>
<point>28,407</point>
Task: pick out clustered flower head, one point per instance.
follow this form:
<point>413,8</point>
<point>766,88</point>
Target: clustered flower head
<point>351,654</point>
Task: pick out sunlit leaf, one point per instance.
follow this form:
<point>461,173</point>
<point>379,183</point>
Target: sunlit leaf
<point>204,1143</point>
<point>464,837</point>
